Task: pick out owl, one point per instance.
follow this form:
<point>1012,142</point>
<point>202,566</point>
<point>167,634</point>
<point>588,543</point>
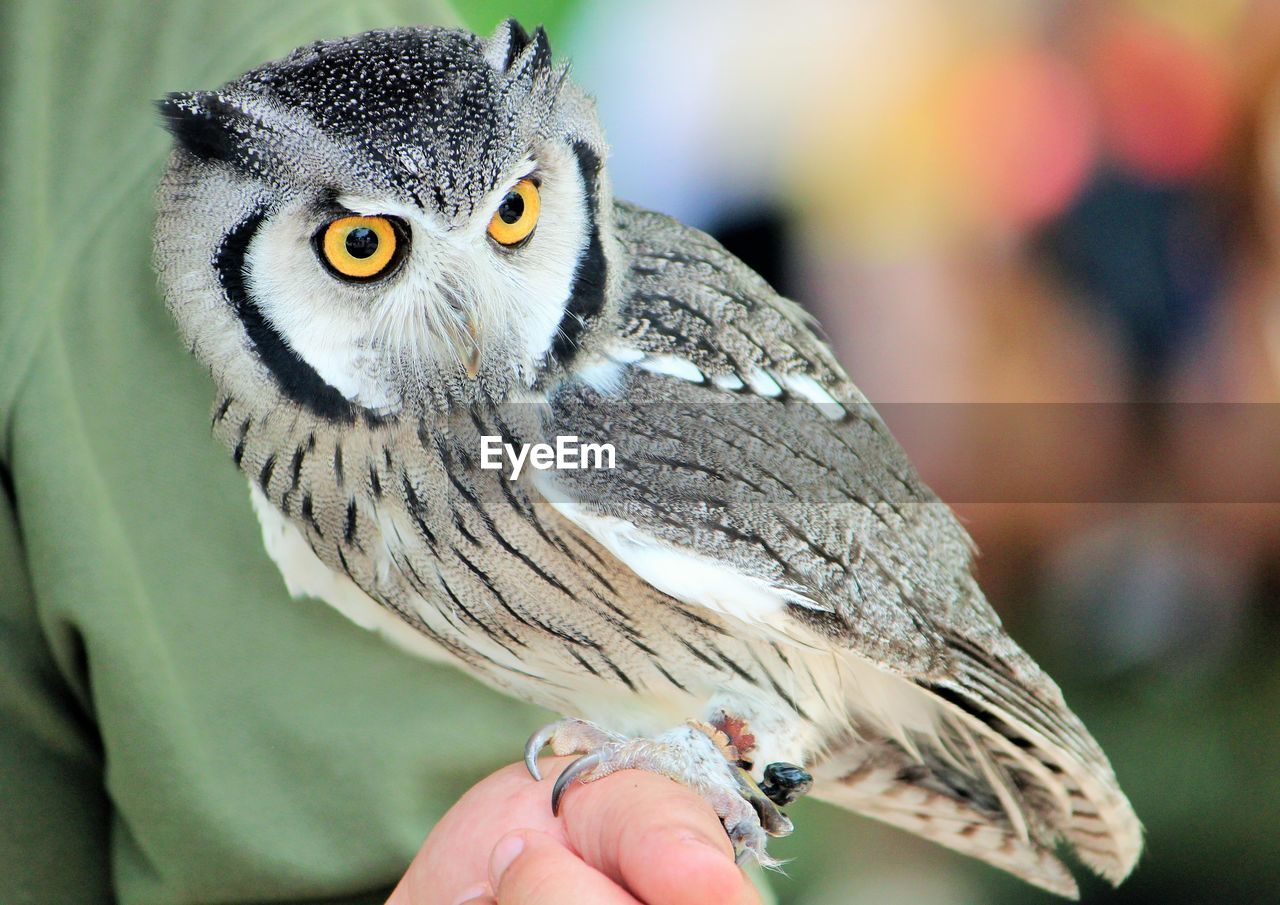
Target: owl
<point>400,257</point>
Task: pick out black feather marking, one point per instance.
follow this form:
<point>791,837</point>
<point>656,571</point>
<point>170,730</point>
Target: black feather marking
<point>375,483</point>
<point>617,671</point>
<point>971,707</point>
<point>349,534</point>
<point>343,560</point>
<point>781,656</point>
<point>534,57</point>
<point>733,665</point>
<point>484,578</point>
<point>295,467</point>
<point>670,678</point>
<point>222,410</point>
<point>699,654</point>
<point>699,621</point>
<point>582,661</point>
<point>237,454</point>
<point>780,691</point>
<point>586,298</point>
<point>463,490</point>
<point>590,551</point>
<point>295,377</point>
<point>462,529</point>
<point>676,304</point>
<point>598,576</point>
<point>411,498</point>
<point>532,622</point>
<point>200,123</point>
<point>524,558</point>
<point>405,566</point>
<point>337,464</point>
<point>475,620</point>
<point>532,517</point>
<point>541,49</point>
<point>264,476</point>
<point>309,513</point>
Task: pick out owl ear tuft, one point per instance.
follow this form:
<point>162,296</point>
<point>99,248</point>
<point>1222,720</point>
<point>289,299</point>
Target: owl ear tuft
<point>203,123</point>
<point>535,56</point>
<point>508,40</point>
<point>514,51</point>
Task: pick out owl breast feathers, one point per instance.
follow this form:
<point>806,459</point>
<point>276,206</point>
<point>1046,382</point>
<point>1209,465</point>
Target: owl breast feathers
<point>396,248</point>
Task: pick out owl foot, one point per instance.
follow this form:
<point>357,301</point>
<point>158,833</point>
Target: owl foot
<point>695,755</point>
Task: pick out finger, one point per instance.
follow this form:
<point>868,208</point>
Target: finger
<point>456,854</point>
<point>657,838</point>
<point>477,894</point>
<point>531,868</point>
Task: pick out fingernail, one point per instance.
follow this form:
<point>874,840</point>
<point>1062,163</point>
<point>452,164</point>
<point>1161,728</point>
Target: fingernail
<point>470,893</point>
<point>506,851</point>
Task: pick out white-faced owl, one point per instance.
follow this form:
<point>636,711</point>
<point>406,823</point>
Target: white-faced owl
<point>398,252</point>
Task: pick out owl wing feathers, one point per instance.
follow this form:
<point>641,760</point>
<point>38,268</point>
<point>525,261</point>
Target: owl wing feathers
<point>745,452</point>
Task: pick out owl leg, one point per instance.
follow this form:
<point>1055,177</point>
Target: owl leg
<point>695,755</point>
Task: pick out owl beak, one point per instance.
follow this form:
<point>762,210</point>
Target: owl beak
<point>473,359</point>
<point>466,342</point>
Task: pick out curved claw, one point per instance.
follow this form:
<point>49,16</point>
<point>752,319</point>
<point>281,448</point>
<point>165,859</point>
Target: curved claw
<point>534,746</point>
<point>571,772</point>
<point>772,820</point>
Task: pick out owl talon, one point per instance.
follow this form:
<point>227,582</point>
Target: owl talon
<point>693,755</point>
<point>533,748</point>
<point>772,820</point>
<point>568,736</point>
<point>582,765</point>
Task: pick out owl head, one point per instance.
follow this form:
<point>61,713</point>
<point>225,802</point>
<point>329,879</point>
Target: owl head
<point>387,222</point>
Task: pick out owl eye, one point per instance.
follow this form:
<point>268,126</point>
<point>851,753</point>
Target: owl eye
<point>360,249</point>
<point>517,215</point>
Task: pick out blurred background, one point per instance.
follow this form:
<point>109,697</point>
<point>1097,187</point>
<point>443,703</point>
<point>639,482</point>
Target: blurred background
<point>1000,210</point>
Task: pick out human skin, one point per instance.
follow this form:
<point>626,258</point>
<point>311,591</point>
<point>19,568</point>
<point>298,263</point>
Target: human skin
<point>629,838</point>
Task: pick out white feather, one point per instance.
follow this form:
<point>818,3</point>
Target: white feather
<point>672,366</point>
<point>604,375</point>
<point>809,389</point>
<point>762,384</point>
<point>730,382</point>
<point>624,354</point>
<point>685,576</point>
<point>306,576</point>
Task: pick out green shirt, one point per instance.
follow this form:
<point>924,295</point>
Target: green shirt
<point>173,727</point>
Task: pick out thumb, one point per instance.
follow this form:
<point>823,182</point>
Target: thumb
<point>530,868</point>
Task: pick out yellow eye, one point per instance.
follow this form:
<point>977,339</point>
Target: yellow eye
<point>361,248</point>
<point>517,215</point>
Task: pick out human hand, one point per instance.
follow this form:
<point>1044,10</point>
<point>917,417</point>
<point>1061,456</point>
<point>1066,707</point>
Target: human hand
<point>627,839</point>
